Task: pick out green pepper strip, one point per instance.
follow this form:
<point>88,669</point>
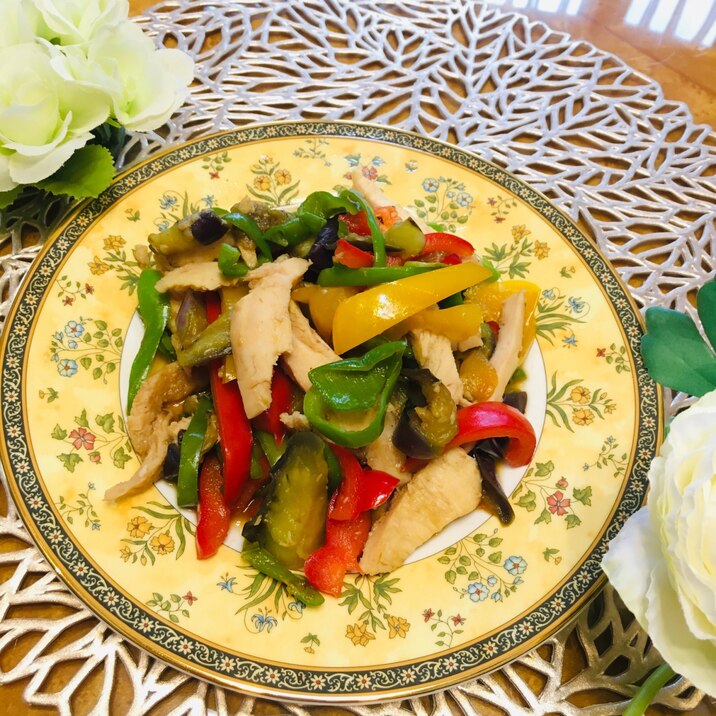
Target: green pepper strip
<point>372,276</point>
<point>230,263</point>
<point>315,407</point>
<point>356,383</point>
<point>154,309</point>
<point>166,347</point>
<point>326,205</point>
<point>271,448</point>
<point>249,227</point>
<point>213,342</point>
<point>295,230</point>
<point>376,234</point>
<point>263,561</point>
<point>190,454</point>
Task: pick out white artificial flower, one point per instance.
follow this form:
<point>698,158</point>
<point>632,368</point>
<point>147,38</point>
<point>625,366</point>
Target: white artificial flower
<point>44,118</point>
<point>19,21</point>
<point>663,562</point>
<point>72,22</point>
<point>147,85</point>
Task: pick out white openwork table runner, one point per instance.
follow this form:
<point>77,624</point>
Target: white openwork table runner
<point>576,123</point>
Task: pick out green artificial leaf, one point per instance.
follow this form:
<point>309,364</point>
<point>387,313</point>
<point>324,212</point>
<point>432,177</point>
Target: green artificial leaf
<point>7,197</point>
<point>81,419</point>
<point>675,353</point>
<point>706,307</point>
<point>106,422</point>
<point>87,173</point>
<point>573,521</point>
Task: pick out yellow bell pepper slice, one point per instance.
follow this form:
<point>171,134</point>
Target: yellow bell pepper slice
<point>323,302</point>
<point>458,323</point>
<point>376,309</point>
<point>491,296</point>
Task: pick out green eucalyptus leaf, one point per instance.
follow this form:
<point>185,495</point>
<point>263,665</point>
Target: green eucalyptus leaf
<point>675,353</point>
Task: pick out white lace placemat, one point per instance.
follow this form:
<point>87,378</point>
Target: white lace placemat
<point>595,136</point>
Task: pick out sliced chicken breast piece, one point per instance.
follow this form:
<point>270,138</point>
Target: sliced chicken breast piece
<point>308,350</point>
<point>434,352</point>
<point>204,276</point>
<point>376,199</point>
<point>260,329</point>
<point>447,488</point>
<point>381,454</point>
<point>506,358</point>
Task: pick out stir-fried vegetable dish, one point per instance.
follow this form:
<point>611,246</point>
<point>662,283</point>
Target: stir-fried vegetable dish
<point>338,376</point>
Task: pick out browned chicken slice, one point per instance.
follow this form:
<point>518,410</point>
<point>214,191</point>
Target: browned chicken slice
<point>447,488</point>
<point>381,454</point>
<point>308,351</point>
<point>261,329</point>
<point>506,358</point>
<point>152,424</point>
<point>204,276</point>
<point>434,352</point>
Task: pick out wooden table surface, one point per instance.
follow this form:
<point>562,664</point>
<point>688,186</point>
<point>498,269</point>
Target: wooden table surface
<point>656,42</point>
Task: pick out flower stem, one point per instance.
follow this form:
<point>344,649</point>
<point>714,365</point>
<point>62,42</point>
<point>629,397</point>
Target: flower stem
<point>648,690</point>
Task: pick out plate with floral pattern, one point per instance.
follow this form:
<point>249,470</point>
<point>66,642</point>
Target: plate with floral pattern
<point>475,597</point>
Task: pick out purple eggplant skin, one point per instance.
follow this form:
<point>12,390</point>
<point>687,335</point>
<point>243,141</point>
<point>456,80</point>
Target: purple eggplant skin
<point>409,440</point>
<point>321,253</point>
<point>208,228</point>
<point>492,492</point>
<point>191,319</point>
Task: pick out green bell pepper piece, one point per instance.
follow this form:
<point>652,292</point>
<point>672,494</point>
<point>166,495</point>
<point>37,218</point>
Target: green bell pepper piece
<point>295,230</point>
<point>341,391</point>
<point>357,383</point>
<point>264,562</point>
<point>376,233</point>
<point>154,310</point>
<point>230,262</point>
<point>326,205</point>
<point>343,276</point>
<point>190,454</point>
<point>250,228</point>
<point>270,447</point>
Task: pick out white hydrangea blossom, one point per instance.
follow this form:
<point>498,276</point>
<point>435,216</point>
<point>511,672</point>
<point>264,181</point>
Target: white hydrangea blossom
<point>69,66</point>
<point>43,118</point>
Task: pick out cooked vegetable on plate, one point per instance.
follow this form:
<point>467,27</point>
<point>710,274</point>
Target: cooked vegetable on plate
<point>338,376</point>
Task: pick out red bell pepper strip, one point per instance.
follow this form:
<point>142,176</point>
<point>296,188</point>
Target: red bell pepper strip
<point>444,243</point>
<point>347,497</point>
<point>376,487</point>
<point>234,426</point>
<point>356,223</point>
<point>326,568</point>
<point>360,490</point>
<point>351,256</point>
<point>451,260</point>
<point>281,400</point>
<point>497,420</point>
<point>214,516</point>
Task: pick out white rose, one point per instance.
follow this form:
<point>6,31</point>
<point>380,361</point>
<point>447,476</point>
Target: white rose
<point>19,21</point>
<point>78,21</point>
<point>663,562</point>
<point>147,85</point>
<point>43,117</point>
